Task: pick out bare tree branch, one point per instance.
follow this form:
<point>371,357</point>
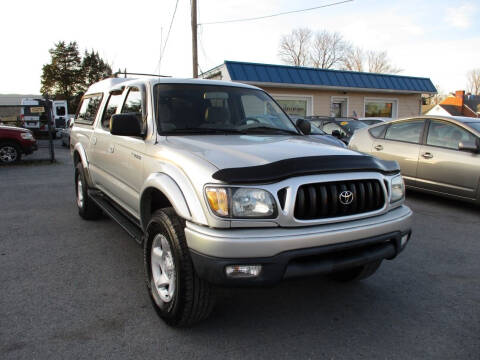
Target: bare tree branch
<point>353,59</point>
<point>328,50</point>
<point>294,47</point>
<point>378,62</point>
<point>473,81</point>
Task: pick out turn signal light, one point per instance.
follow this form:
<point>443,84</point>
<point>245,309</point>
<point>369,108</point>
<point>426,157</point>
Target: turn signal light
<point>218,200</point>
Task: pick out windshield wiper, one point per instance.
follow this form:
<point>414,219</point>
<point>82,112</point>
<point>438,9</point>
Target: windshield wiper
<point>268,129</point>
<point>203,131</point>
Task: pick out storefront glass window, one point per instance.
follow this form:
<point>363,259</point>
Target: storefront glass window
<point>294,107</point>
<point>379,108</point>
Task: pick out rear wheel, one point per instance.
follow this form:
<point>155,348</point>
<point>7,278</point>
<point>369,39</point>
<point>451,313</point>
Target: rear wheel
<point>178,295</point>
<point>10,153</point>
<point>87,209</point>
<point>356,273</point>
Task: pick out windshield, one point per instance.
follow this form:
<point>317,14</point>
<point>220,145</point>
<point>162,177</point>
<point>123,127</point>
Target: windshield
<point>351,125</point>
<point>200,109</point>
<point>474,125</point>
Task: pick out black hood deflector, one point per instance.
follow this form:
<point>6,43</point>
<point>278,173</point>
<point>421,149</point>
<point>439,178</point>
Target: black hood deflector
<point>311,165</point>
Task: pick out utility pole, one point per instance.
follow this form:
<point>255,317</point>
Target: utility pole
<point>194,39</point>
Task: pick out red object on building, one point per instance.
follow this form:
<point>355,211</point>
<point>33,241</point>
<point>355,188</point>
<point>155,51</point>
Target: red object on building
<point>456,106</point>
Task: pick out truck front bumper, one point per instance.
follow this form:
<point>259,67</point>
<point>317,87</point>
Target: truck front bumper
<point>293,252</point>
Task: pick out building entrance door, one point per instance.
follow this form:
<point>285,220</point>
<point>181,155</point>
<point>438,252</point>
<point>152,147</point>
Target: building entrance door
<point>339,107</point>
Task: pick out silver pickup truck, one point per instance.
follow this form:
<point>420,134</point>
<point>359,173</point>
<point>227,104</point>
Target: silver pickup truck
<point>221,188</point>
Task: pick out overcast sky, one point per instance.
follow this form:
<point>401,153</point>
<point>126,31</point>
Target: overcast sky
<point>435,38</point>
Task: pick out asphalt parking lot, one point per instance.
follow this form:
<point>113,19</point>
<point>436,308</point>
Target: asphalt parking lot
<point>74,289</point>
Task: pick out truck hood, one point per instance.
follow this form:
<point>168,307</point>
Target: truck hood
<point>230,151</point>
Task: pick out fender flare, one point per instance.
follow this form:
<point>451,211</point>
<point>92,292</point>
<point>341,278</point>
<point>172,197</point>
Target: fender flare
<point>80,150</point>
<point>174,194</point>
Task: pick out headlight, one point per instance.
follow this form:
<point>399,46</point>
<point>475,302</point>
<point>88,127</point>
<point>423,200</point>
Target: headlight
<point>26,135</point>
<point>241,202</point>
<point>398,189</point>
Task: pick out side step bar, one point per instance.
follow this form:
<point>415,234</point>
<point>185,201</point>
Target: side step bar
<point>127,222</point>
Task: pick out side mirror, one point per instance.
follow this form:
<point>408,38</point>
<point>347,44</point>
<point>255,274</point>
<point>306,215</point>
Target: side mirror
<point>337,134</point>
<point>125,125</point>
<point>469,147</point>
<point>304,126</point>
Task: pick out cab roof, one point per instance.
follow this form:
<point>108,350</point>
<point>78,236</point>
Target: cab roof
<point>112,83</point>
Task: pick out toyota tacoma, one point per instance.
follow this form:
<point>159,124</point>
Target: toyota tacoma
<point>222,188</point>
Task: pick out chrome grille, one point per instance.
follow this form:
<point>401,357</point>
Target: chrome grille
<point>322,200</point>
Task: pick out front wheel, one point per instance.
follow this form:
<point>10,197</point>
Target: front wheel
<point>10,153</point>
<point>178,295</point>
<point>356,273</point>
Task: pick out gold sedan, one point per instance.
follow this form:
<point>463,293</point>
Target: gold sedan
<point>437,154</point>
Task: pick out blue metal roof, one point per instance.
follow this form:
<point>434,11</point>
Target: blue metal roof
<point>283,74</point>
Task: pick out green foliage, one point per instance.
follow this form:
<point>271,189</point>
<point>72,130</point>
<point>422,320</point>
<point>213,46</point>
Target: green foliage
<point>64,73</point>
<point>67,76</point>
<point>94,69</point>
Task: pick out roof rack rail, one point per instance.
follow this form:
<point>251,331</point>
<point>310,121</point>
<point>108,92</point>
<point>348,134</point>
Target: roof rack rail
<point>125,73</point>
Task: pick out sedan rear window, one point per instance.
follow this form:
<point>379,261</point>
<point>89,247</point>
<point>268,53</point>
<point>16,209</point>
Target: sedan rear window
<point>408,131</point>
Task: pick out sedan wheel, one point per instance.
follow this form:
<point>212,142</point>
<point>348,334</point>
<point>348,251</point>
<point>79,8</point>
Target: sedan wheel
<point>9,153</point>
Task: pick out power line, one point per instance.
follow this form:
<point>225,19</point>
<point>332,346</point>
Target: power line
<point>278,14</point>
<point>168,33</point>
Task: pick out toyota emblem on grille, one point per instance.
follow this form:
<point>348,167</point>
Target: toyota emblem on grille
<point>346,197</point>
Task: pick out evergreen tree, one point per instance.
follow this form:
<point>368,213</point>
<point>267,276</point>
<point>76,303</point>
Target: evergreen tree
<point>67,76</point>
<point>63,75</point>
<point>94,68</point>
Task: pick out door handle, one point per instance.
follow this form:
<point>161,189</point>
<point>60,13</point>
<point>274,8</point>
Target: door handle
<point>379,147</point>
<point>111,148</point>
<point>427,155</point>
<point>94,140</point>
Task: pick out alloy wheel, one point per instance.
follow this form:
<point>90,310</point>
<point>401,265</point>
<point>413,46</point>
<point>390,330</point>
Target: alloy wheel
<point>163,268</point>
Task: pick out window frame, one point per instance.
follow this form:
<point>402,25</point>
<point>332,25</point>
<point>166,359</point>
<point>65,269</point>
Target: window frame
<point>88,96</point>
<point>422,132</point>
<point>427,130</point>
<point>394,101</point>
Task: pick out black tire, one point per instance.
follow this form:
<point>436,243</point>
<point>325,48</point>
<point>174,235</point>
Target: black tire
<point>10,153</point>
<point>356,273</point>
<point>87,209</point>
<point>193,298</point>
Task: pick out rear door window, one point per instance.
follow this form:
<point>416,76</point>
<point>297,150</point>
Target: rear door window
<point>88,109</point>
<point>406,131</point>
